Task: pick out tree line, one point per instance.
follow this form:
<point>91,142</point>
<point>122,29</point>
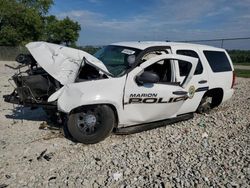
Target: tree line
<point>240,56</point>
<point>23,21</point>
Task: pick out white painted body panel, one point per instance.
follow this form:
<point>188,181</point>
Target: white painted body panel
<point>220,79</point>
<point>106,91</point>
<point>146,44</point>
<point>111,91</point>
<point>142,113</point>
<point>116,91</point>
<point>61,62</point>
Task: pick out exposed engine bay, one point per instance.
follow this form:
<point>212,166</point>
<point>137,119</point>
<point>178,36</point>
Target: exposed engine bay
<point>34,85</point>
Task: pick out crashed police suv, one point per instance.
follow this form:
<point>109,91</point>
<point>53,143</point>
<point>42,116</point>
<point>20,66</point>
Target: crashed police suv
<point>124,88</point>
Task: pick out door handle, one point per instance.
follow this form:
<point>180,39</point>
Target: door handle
<point>202,81</point>
<point>180,93</point>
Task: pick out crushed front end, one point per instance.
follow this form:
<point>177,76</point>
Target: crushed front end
<point>33,85</point>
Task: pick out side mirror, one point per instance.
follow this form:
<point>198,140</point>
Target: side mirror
<point>147,77</point>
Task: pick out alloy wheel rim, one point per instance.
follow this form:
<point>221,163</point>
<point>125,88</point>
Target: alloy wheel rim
<point>87,122</point>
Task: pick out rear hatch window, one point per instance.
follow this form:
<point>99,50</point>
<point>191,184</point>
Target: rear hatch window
<point>218,61</point>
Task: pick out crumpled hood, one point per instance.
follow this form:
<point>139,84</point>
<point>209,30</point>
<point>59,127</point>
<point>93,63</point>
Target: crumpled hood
<point>62,62</point>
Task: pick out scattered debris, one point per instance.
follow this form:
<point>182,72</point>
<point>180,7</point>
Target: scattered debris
<point>43,125</point>
<point>117,176</point>
<point>202,124</point>
<point>204,135</point>
<point>97,159</point>
<point>41,155</point>
<point>52,178</point>
<point>50,136</point>
<point>2,143</point>
<point>185,131</point>
<point>3,185</point>
<point>14,122</point>
<point>48,156</point>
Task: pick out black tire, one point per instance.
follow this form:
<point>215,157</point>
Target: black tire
<point>205,105</point>
<point>91,124</point>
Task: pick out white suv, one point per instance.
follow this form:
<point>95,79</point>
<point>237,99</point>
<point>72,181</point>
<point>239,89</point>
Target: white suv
<point>125,87</point>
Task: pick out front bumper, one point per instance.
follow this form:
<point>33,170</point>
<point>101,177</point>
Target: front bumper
<point>14,98</point>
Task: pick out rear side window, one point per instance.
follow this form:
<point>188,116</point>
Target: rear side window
<point>218,61</point>
<point>185,66</point>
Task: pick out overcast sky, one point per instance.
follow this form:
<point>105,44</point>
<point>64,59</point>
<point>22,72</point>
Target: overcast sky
<point>107,21</point>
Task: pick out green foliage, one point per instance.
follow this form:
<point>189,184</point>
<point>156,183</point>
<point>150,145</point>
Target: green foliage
<point>63,31</point>
<point>242,73</point>
<point>240,56</point>
<point>22,21</point>
<point>9,36</point>
<point>42,6</point>
<point>89,49</point>
<point>18,24</point>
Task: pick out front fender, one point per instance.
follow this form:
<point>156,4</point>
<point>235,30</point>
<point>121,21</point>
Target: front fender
<point>107,91</point>
<point>56,95</point>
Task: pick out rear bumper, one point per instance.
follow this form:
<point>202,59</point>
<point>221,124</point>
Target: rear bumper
<point>227,94</point>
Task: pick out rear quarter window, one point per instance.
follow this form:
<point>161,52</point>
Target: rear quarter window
<point>218,61</point>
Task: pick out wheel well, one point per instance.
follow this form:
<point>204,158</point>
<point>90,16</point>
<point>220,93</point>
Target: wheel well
<point>115,113</point>
<point>78,109</point>
<point>217,96</point>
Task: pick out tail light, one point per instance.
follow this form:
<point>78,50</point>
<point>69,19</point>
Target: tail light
<point>234,80</point>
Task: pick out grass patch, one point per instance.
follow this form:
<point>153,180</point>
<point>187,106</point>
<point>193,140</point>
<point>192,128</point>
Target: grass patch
<point>242,73</point>
<point>245,64</point>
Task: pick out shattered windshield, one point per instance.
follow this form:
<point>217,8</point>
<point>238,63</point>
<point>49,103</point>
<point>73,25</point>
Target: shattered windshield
<point>117,59</point>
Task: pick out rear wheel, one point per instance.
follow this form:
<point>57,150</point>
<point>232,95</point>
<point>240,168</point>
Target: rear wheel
<point>205,105</point>
<point>91,124</point>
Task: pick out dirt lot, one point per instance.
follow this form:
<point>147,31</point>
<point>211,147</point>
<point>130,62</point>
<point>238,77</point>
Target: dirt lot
<point>209,150</point>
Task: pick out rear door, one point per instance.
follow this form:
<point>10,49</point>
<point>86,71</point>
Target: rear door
<point>162,100</point>
<point>220,69</point>
<point>198,85</point>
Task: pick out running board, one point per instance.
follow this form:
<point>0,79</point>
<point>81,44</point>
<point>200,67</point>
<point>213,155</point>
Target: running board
<point>148,126</point>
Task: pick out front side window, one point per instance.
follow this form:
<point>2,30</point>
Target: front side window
<point>117,59</point>
<point>185,67</point>
<point>162,69</point>
<point>218,61</point>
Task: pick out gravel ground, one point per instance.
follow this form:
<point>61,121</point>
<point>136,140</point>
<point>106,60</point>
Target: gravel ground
<point>211,150</point>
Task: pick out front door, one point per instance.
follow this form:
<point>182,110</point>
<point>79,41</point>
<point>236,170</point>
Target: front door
<point>148,102</point>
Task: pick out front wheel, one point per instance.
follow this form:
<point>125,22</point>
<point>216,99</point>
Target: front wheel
<point>91,124</point>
